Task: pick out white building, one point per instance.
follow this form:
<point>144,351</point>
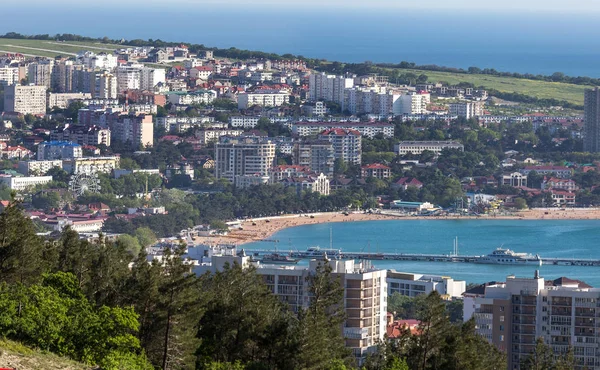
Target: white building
<point>418,147</point>
<point>91,164</point>
<point>62,100</point>
<point>98,61</point>
<point>208,136</point>
<point>49,150</point>
<point>243,121</point>
<point>25,182</point>
<point>105,86</point>
<point>190,98</point>
<point>29,99</point>
<point>466,110</point>
<point>328,87</point>
<point>368,129</point>
<point>412,285</point>
<point>264,98</point>
<point>151,77</point>
<point>37,168</point>
<point>40,73</point>
<point>313,183</point>
<point>412,103</point>
<point>9,75</point>
<point>129,77</point>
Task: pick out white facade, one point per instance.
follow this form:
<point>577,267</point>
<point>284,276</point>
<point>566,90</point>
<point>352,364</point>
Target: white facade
<point>9,75</point>
<point>466,110</point>
<point>25,182</point>
<point>412,103</point>
<point>196,97</point>
<point>328,87</point>
<point>236,157</point>
<point>412,285</point>
<point>28,99</point>
<point>207,136</point>
<point>368,129</point>
<point>243,121</point>
<point>264,98</point>
<point>105,86</point>
<point>151,77</point>
<point>62,100</point>
<point>36,168</point>
<point>98,61</point>
<point>129,77</point>
<point>418,147</point>
<point>49,150</point>
<point>91,164</point>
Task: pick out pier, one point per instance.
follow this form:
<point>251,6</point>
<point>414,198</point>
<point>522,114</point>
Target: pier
<point>439,258</point>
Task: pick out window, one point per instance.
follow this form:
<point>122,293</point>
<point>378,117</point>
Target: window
<point>501,338</point>
<point>502,318</point>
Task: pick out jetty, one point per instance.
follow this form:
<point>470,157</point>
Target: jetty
<point>437,258</point>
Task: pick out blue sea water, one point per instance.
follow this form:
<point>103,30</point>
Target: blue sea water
<point>539,43</point>
<point>548,238</point>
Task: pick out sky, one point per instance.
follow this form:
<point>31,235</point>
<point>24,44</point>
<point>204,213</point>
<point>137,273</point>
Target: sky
<point>503,6</point>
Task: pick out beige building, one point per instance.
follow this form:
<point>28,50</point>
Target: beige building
<point>466,110</point>
<point>312,182</point>
<point>91,164</point>
<point>418,147</point>
<point>29,99</point>
<point>513,314</point>
<point>104,85</point>
<point>208,136</point>
<point>21,183</point>
<point>40,73</point>
<point>136,129</point>
<point>36,168</point>
<point>247,156</point>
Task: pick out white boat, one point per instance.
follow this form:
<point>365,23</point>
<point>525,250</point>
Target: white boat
<point>503,256</point>
<point>318,253</point>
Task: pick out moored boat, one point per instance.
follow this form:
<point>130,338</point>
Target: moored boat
<point>502,256</point>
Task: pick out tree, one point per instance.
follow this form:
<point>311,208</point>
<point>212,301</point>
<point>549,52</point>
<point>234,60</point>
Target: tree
<point>321,340</point>
<point>520,203</point>
<point>145,236</point>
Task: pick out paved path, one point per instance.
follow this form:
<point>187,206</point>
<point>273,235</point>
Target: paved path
<point>83,47</point>
<point>40,49</point>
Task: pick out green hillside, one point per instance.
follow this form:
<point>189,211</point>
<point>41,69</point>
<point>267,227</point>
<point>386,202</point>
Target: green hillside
<point>16,355</point>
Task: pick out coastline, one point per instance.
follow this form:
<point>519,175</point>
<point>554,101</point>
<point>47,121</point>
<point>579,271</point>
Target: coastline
<point>253,230</point>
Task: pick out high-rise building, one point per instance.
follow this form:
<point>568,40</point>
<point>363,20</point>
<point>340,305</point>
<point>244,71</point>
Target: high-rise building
<point>40,73</point>
<point>136,129</point>
<point>412,103</point>
<point>591,141</point>
<point>27,99</point>
<point>512,315</point>
<point>466,110</point>
<point>9,75</point>
<point>317,155</point>
<point>346,144</point>
<point>328,87</point>
<point>237,158</point>
<point>49,150</point>
<point>104,85</point>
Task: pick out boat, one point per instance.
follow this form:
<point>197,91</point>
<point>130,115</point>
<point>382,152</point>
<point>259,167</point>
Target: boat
<point>278,258</point>
<point>503,256</point>
<point>318,253</point>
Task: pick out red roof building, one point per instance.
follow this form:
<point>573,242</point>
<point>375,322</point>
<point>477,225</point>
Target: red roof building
<point>376,170</point>
<point>405,182</point>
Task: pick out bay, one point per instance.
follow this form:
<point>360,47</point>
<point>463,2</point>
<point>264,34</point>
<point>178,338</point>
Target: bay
<point>548,238</point>
<point>536,42</point>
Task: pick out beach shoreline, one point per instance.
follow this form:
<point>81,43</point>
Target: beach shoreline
<point>262,229</point>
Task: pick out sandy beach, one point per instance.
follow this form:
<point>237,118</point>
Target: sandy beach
<point>263,229</point>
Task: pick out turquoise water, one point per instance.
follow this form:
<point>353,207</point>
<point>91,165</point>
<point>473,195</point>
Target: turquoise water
<point>548,238</point>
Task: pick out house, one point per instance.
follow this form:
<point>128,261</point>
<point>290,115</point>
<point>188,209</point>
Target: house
<point>98,207</point>
<point>559,184</point>
<point>343,183</point>
<point>405,182</point>
<point>558,171</point>
<point>514,179</point>
<point>395,328</point>
<point>562,198</point>
<point>376,170</point>
<point>15,152</point>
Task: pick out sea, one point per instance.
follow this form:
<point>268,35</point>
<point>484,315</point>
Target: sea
<point>548,238</point>
<point>525,42</point>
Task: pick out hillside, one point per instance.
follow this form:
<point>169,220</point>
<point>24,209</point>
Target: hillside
<point>539,89</point>
<point>18,356</point>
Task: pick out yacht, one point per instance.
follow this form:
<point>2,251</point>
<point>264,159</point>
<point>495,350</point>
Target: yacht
<point>278,258</point>
<point>503,256</point>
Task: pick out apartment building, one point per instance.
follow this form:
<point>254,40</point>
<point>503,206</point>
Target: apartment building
<point>37,168</point>
<point>513,314</point>
<point>418,147</point>
<point>91,164</point>
<point>377,170</point>
<point>181,124</point>
<point>370,101</point>
<point>138,129</point>
<point>328,87</point>
<point>466,110</point>
<point>557,171</point>
<point>368,129</point>
<point>346,144</point>
<point>129,77</point>
<point>25,99</point>
<point>559,184</point>
<point>9,75</point>
<point>317,183</point>
<point>83,135</point>
<point>236,158</point>
<point>104,86</point>
<point>263,98</point>
<point>94,61</point>
<point>49,150</point>
<point>412,285</point>
<point>40,73</point>
<point>317,155</point>
<point>62,100</point>
<point>412,103</point>
<point>243,121</point>
<point>20,183</point>
<point>189,98</point>
<point>209,136</point>
<point>150,77</point>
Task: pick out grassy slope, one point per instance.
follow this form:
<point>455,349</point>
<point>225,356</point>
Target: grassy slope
<point>16,355</point>
<point>562,91</point>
